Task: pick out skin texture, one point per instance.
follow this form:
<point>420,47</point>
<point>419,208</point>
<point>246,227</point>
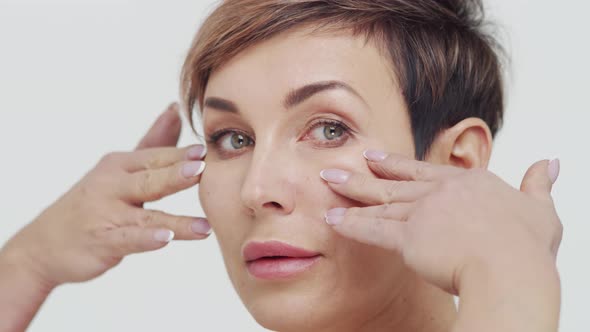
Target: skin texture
<point>397,236</point>
<point>275,193</point>
<point>272,191</point>
<point>484,250</point>
<point>99,221</point>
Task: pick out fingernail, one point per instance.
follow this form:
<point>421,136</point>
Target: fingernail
<point>201,226</point>
<point>374,155</point>
<point>173,107</point>
<point>334,220</point>
<point>193,168</point>
<point>163,235</point>
<point>335,175</point>
<point>336,212</point>
<point>553,170</point>
<point>196,152</point>
<point>335,216</point>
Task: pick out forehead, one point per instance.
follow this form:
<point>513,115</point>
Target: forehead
<point>265,72</point>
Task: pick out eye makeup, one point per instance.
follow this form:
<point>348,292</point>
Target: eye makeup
<point>320,132</point>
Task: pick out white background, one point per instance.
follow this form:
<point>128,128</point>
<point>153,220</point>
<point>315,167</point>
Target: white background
<point>81,78</point>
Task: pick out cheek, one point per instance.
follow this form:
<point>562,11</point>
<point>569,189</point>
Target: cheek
<point>209,188</point>
<point>218,193</point>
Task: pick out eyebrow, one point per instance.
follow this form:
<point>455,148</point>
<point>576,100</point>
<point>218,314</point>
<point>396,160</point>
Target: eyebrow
<point>292,99</point>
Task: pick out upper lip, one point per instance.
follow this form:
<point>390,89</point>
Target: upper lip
<point>255,250</point>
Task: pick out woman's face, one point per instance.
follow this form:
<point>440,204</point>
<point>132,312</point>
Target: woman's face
<point>275,116</point>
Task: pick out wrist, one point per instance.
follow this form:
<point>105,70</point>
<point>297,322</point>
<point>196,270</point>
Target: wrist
<point>23,292</point>
<point>510,295</point>
<point>23,264</point>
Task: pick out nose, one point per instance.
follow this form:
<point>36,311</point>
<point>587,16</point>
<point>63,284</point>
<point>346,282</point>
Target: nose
<point>269,185</point>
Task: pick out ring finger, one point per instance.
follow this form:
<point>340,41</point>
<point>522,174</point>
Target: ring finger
<point>373,191</point>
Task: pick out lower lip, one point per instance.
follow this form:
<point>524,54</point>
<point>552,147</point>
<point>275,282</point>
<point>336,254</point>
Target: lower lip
<point>280,268</point>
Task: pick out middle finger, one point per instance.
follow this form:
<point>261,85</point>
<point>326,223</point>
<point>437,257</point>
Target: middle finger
<point>373,191</point>
<point>154,158</point>
<point>154,184</point>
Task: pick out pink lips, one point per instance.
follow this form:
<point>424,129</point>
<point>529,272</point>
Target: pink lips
<point>277,260</point>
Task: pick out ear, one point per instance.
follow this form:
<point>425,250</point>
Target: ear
<point>468,144</point>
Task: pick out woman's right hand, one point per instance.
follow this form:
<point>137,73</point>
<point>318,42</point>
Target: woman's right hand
<point>101,219</point>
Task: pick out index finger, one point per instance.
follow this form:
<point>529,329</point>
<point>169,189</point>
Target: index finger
<point>153,158</point>
<point>165,131</point>
<point>398,167</point>
<point>152,185</point>
<point>382,232</point>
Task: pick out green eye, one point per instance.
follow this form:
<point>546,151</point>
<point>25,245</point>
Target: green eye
<point>238,141</point>
<point>329,133</point>
<point>232,140</point>
<point>332,132</point>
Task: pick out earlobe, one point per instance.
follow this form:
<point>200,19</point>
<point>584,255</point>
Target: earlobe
<point>468,144</point>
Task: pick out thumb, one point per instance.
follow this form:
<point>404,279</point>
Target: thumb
<point>165,131</point>
<point>540,177</point>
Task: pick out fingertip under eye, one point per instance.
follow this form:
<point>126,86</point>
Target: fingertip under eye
<point>193,169</point>
<point>374,155</point>
<point>196,152</point>
<point>337,176</point>
<point>335,216</point>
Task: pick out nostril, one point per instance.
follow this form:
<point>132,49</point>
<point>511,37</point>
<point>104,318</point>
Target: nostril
<point>273,204</point>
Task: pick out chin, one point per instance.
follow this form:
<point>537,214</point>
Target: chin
<point>315,301</point>
<point>342,290</point>
<point>292,309</point>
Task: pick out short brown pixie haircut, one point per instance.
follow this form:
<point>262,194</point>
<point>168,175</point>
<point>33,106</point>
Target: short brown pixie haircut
<point>447,68</point>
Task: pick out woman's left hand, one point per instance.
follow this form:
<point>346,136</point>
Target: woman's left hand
<point>460,229</point>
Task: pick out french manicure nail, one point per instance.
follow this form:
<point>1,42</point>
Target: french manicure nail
<point>553,170</point>
<point>334,220</point>
<point>193,168</point>
<point>374,155</point>
<point>163,235</point>
<point>336,212</point>
<point>196,152</point>
<point>335,216</point>
<point>335,175</point>
<point>201,226</point>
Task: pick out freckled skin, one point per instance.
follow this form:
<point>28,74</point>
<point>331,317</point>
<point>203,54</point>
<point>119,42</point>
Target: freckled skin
<point>355,286</point>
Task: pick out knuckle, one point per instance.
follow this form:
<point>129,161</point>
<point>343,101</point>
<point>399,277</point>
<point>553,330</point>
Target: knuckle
<point>421,171</point>
<point>358,181</point>
<point>375,231</point>
<point>178,224</point>
<point>110,159</point>
<point>558,238</point>
<point>124,235</point>
<point>389,206</point>
<point>145,185</point>
<point>124,241</point>
<point>558,229</point>
<point>102,180</point>
<point>386,209</point>
<point>154,161</point>
<point>145,218</point>
<point>390,193</point>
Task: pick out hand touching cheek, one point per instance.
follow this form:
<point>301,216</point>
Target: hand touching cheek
<point>457,228</point>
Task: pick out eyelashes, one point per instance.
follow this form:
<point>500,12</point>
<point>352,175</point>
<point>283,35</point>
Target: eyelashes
<point>323,133</point>
<point>334,131</point>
